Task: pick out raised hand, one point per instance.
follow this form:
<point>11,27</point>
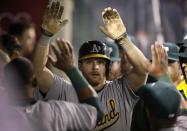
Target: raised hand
<point>113,24</point>
<point>52,22</point>
<point>65,57</point>
<point>159,65</point>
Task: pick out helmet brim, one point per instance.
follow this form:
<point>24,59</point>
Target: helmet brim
<point>182,54</point>
<point>94,56</point>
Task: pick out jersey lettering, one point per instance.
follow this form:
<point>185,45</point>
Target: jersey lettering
<point>108,119</point>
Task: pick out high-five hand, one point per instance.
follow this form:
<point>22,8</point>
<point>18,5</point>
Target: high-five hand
<point>52,22</point>
<point>65,56</point>
<point>113,24</point>
<point>159,65</point>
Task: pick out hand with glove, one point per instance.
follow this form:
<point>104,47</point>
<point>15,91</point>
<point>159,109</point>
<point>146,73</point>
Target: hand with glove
<point>113,24</point>
<point>52,22</point>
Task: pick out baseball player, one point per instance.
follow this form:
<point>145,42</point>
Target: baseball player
<point>10,46</point>
<point>181,54</point>
<point>158,72</point>
<point>52,115</point>
<point>116,96</point>
<point>174,72</point>
<point>114,71</point>
<point>162,102</point>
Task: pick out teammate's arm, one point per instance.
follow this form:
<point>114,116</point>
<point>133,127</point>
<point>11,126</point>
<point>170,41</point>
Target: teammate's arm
<point>158,68</point>
<point>51,25</point>
<point>71,116</point>
<point>115,29</point>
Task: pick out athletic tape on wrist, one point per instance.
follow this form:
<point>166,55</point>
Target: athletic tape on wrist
<point>49,34</point>
<point>44,40</point>
<point>121,37</point>
<point>78,81</point>
<point>94,101</point>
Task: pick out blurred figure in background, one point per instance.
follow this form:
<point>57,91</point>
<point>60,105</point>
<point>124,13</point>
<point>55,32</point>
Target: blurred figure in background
<point>162,110</point>
<point>114,71</point>
<point>19,77</point>
<point>174,69</point>
<point>10,46</point>
<point>119,61</point>
<point>4,59</point>
<point>9,49</point>
<point>173,63</point>
<point>182,54</point>
<point>25,33</point>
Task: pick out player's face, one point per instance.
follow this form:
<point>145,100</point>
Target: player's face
<point>93,70</point>
<point>174,70</point>
<point>184,66</point>
<point>27,40</point>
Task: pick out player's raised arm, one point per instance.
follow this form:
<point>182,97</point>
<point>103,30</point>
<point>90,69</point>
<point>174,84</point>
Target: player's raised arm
<point>159,65</point>
<point>116,30</point>
<point>51,24</point>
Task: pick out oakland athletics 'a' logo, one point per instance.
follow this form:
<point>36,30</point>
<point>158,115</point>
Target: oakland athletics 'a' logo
<point>96,48</point>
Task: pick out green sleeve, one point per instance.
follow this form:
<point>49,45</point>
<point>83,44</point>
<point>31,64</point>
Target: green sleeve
<point>166,78</point>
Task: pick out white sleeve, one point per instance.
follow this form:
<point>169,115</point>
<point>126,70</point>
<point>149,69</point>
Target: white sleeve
<point>74,116</point>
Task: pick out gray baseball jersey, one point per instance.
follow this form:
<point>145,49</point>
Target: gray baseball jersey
<point>10,119</point>
<point>117,100</point>
<point>56,92</point>
<point>59,116</point>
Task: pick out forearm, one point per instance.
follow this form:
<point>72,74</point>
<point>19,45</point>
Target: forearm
<point>82,87</point>
<point>165,78</point>
<point>43,75</point>
<point>135,56</point>
<point>40,59</point>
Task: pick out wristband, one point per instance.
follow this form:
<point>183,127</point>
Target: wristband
<point>166,78</point>
<point>121,37</point>
<point>44,40</point>
<point>78,81</point>
<point>94,101</point>
<point>47,33</point>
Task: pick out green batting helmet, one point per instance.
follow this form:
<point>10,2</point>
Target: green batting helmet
<point>94,49</point>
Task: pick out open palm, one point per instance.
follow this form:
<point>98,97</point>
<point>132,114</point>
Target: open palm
<point>52,22</point>
<point>113,24</point>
